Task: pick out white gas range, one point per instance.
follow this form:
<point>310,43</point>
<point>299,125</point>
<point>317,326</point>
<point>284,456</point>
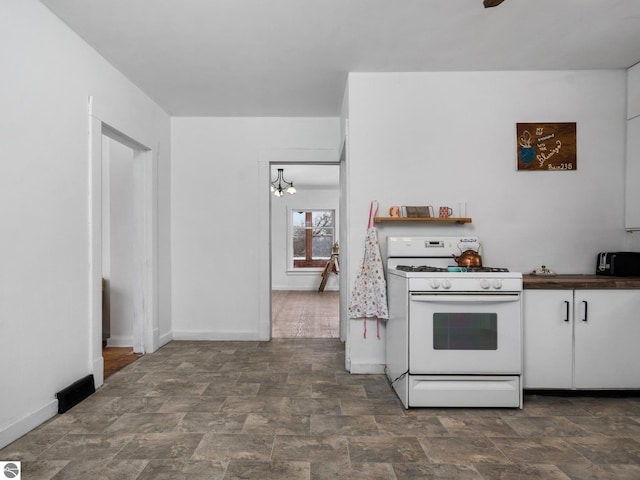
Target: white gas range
<point>454,335</point>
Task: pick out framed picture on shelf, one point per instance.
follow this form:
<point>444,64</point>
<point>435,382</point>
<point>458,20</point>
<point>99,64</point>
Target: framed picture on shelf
<point>417,211</point>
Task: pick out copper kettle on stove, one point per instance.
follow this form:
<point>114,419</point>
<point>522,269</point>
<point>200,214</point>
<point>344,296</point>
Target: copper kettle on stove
<point>469,258</point>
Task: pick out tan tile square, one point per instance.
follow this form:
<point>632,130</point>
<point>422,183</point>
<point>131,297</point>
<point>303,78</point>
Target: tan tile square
<point>338,391</point>
<point>352,471</point>
<point>459,450</point>
<point>145,423</point>
<point>539,450</point>
<point>417,426</point>
<point>602,450</point>
<point>246,469</point>
<point>199,403</point>
<point>87,446</point>
<point>614,426</point>
<point>277,424</point>
<point>521,472</point>
<point>459,426</point>
<point>413,471</point>
<point>224,447</point>
<point>41,469</point>
<point>343,425</point>
<point>551,426</point>
<point>311,406</point>
<point>368,406</point>
<point>284,390</point>
<point>205,422</point>
<point>252,405</point>
<point>600,472</point>
<point>311,449</point>
<point>149,446</point>
<point>177,469</point>
<point>99,470</point>
<point>380,449</point>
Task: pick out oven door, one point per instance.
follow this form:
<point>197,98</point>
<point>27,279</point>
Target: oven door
<point>456,333</point>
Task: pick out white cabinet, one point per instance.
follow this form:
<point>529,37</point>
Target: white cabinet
<point>607,332</point>
<point>548,339</point>
<point>581,339</point>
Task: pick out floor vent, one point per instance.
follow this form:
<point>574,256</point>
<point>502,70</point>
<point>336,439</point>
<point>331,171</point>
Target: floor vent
<point>75,393</point>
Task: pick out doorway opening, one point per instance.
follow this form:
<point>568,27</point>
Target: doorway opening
<point>304,234</point>
<point>143,282</point>
<point>118,255</point>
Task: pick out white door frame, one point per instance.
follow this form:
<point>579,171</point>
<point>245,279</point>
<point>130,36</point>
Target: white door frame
<point>145,321</point>
<point>265,159</point>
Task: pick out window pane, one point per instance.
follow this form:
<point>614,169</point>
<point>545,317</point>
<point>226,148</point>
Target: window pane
<point>322,219</point>
<point>321,246</point>
<point>299,219</point>
<point>299,243</point>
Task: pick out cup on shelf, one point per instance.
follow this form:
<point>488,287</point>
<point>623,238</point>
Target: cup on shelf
<point>445,212</point>
<point>394,211</point>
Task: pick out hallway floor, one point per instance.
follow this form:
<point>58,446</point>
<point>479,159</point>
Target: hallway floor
<point>305,314</point>
<point>116,358</point>
<point>286,409</point>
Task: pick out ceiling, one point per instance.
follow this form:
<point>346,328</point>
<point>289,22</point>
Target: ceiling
<point>291,57</point>
<point>309,176</point>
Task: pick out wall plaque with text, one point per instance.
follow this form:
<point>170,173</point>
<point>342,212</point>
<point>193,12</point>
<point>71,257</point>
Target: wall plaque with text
<point>546,146</point>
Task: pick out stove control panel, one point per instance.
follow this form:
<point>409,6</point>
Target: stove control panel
<point>434,283</point>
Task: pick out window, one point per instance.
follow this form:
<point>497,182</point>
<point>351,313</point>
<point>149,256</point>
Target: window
<point>312,236</point>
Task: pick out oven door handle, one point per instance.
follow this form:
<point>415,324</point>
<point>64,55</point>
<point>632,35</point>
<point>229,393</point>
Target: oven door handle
<point>458,298</point>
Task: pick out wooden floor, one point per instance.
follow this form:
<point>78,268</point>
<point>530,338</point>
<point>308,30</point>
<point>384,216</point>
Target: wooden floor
<point>116,358</point>
<point>310,314</point>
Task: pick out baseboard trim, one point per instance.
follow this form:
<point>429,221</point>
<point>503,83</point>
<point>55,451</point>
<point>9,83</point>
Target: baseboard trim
<point>28,423</point>
<point>367,368</point>
<point>164,339</point>
<point>216,336</point>
<point>98,370</point>
<point>286,288</point>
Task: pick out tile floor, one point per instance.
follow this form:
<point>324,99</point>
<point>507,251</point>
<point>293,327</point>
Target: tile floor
<point>286,409</point>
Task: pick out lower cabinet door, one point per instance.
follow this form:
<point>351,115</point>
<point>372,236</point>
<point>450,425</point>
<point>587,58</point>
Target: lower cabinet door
<point>607,339</point>
<point>548,339</point>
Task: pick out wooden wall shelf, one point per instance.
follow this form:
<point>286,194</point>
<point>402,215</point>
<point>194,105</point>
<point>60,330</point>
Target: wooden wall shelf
<point>424,220</point>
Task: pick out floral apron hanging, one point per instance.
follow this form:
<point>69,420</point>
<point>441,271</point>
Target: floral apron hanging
<point>369,295</point>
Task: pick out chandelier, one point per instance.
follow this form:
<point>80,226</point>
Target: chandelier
<point>280,185</point>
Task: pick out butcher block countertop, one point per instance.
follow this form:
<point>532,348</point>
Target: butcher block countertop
<point>578,281</point>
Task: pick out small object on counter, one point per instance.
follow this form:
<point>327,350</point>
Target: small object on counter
<point>543,270</point>
<point>469,258</point>
<point>457,269</point>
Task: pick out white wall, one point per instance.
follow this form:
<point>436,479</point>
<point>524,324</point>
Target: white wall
<point>304,199</point>
<point>216,197</point>
<point>44,274</point>
<point>426,138</point>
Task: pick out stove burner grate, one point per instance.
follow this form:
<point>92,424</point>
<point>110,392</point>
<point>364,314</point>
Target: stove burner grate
<point>427,268</point>
<point>420,268</point>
